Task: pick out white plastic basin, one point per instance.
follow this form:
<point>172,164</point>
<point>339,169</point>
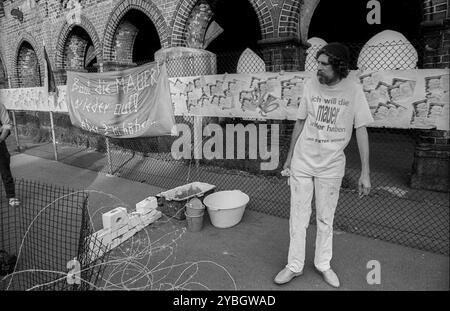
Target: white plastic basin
<point>226,208</point>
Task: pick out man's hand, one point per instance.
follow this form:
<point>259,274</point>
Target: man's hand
<point>364,185</point>
<point>287,164</point>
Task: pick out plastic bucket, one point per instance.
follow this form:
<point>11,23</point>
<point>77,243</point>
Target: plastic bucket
<point>194,223</point>
<point>226,208</point>
<point>194,211</point>
<point>196,208</point>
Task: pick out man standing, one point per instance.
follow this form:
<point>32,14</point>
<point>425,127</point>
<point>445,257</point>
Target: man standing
<point>5,170</point>
<point>331,106</point>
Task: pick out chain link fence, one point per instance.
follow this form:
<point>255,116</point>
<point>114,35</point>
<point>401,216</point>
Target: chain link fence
<point>50,228</point>
<point>387,55</point>
<point>394,211</point>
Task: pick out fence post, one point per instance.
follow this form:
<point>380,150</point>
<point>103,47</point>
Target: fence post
<point>55,150</point>
<point>108,150</point>
<point>198,139</point>
<point>108,156</point>
<point>16,132</point>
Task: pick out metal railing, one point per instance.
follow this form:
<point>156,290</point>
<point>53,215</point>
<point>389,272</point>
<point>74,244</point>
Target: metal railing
<point>394,211</point>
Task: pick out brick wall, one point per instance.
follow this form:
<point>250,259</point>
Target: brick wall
<point>28,67</point>
<point>435,10</point>
<point>74,52</point>
<point>287,55</point>
<point>431,158</point>
<point>2,9</point>
<point>431,161</point>
<point>100,19</point>
<point>123,42</point>
<point>197,24</point>
<point>436,34</point>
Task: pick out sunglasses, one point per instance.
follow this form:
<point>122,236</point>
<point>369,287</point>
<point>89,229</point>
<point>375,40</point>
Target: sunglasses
<point>322,63</point>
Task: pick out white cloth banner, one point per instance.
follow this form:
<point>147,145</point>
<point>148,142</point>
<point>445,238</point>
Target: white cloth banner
<point>34,99</point>
<point>398,99</point>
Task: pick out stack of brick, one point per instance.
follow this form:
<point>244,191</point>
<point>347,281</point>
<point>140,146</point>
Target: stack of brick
<point>119,226</point>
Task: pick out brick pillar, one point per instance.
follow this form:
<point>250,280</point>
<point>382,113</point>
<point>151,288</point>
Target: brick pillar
<point>283,54</point>
<point>197,24</point>
<point>3,77</point>
<point>431,157</point>
<point>60,76</point>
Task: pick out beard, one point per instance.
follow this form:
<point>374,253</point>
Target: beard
<point>323,79</point>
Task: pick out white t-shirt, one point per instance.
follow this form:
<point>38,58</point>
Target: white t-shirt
<point>331,112</point>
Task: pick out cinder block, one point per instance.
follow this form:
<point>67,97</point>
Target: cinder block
<point>146,205</point>
<point>119,232</point>
<point>140,225</point>
<point>134,219</point>
<point>152,218</point>
<point>128,235</point>
<point>105,236</point>
<point>115,218</point>
<point>115,242</point>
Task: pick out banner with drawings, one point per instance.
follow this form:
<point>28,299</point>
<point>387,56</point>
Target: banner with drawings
<point>33,99</point>
<point>408,98</point>
<point>398,99</point>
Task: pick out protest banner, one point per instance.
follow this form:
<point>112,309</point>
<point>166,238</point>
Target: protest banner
<point>122,104</point>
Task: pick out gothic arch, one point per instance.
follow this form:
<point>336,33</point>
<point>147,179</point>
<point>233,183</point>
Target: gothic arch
<point>4,69</point>
<point>38,49</point>
<point>66,28</point>
<point>289,20</point>
<point>306,14</point>
<point>184,8</point>
<point>148,8</point>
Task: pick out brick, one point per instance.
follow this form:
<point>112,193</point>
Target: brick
<point>429,140</point>
<point>439,16</point>
<point>441,7</point>
<point>442,141</point>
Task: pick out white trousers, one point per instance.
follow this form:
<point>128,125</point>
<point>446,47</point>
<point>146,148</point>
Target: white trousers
<point>326,192</point>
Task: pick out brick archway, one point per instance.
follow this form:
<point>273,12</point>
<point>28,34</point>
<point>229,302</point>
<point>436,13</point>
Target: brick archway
<point>288,23</point>
<point>38,49</point>
<point>148,8</point>
<point>64,33</point>
<point>306,13</point>
<point>3,74</point>
<point>184,8</point>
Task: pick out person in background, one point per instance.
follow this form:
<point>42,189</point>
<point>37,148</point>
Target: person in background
<point>5,169</point>
<point>332,105</point>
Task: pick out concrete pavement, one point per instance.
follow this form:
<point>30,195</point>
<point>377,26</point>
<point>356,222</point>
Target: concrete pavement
<point>247,256</point>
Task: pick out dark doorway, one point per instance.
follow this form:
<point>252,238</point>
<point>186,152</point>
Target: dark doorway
<point>241,30</point>
<point>147,40</point>
<point>345,21</point>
